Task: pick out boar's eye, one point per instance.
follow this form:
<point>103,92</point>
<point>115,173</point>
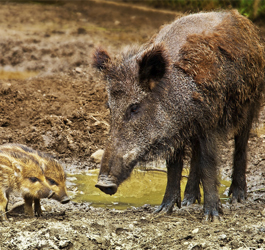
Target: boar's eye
<point>33,179</point>
<point>131,111</point>
<point>52,182</point>
<point>135,109</point>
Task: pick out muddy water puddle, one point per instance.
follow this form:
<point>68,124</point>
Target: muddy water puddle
<point>260,130</point>
<point>20,75</point>
<point>143,187</point>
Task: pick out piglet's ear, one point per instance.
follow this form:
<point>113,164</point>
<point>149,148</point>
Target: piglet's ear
<point>152,66</point>
<point>18,170</point>
<point>100,59</point>
<point>43,166</point>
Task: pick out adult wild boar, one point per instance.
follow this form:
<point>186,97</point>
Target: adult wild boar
<point>200,77</point>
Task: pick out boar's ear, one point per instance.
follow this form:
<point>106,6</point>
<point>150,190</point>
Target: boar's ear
<point>152,66</point>
<point>100,58</point>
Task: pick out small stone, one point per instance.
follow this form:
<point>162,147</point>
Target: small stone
<point>97,156</point>
<point>195,231</point>
<point>78,70</point>
<point>81,31</point>
<point>5,87</point>
<point>64,243</point>
<point>222,237</point>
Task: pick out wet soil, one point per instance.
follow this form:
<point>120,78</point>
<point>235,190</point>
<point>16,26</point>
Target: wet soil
<point>53,100</point>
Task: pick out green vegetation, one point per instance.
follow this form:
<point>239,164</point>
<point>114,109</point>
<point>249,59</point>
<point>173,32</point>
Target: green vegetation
<point>253,9</point>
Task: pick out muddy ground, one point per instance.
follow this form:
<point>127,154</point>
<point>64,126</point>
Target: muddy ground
<point>54,101</point>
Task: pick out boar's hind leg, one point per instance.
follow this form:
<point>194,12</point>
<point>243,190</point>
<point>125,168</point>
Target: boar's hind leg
<point>192,190</point>
<point>238,188</point>
<point>208,173</point>
<point>172,194</point>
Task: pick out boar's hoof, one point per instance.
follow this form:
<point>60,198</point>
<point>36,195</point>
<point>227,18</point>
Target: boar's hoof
<point>65,200</point>
<point>191,198</point>
<point>215,219</point>
<point>213,215</point>
<point>108,188</point>
<point>165,209</point>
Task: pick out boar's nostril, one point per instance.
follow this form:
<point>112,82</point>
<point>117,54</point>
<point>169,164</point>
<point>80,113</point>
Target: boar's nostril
<point>107,188</point>
<point>65,200</point>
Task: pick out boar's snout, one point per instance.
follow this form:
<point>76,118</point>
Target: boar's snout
<point>107,188</point>
<point>106,185</point>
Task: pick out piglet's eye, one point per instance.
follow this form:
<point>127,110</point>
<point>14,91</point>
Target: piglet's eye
<point>33,179</point>
<point>52,182</point>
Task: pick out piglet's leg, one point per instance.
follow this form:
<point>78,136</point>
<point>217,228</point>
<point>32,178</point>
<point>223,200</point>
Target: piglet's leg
<point>28,206</point>
<point>37,207</point>
<point>3,206</point>
<point>172,194</point>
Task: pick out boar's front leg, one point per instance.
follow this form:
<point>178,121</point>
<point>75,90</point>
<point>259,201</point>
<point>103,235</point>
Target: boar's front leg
<point>172,194</point>
<point>192,190</point>
<point>208,172</point>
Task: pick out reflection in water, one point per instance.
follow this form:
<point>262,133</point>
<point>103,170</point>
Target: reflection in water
<point>141,188</point>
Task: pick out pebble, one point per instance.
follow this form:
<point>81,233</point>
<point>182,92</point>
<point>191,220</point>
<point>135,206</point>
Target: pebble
<point>222,237</point>
<point>64,243</point>
<point>97,156</point>
<point>78,70</point>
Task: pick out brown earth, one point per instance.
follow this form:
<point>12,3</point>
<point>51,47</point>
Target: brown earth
<point>54,101</point>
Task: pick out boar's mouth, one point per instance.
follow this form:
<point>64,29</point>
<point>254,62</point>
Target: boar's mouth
<point>106,185</point>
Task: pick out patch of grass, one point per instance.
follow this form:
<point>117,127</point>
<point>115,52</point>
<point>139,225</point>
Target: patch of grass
<point>253,9</point>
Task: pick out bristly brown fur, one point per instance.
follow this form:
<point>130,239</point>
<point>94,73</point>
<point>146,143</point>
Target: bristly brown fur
<point>100,58</point>
<point>233,51</point>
